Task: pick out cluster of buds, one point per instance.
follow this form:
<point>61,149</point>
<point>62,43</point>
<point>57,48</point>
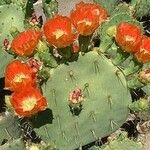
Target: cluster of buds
<point>144,76</point>
<point>141,105</point>
<point>34,64</point>
<point>75,101</point>
<point>34,20</point>
<point>76,96</point>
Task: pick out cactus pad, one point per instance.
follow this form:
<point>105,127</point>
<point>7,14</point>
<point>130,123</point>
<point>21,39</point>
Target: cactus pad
<point>109,5</point>
<point>50,8</point>
<point>14,145</point>
<point>10,16</point>
<point>3,2</point>
<point>122,143</point>
<point>141,7</point>
<point>9,128</point>
<point>104,109</point>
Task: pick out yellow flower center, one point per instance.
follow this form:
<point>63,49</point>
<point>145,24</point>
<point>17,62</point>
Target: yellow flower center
<point>29,103</point>
<point>59,33</point>
<point>144,51</point>
<point>96,12</point>
<point>129,38</point>
<point>87,23</point>
<point>19,78</point>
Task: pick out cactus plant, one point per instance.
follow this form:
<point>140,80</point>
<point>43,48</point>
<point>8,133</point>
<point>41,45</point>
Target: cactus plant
<point>70,92</point>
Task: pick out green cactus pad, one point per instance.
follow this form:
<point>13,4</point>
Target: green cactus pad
<point>122,143</point>
<point>48,59</point>
<point>105,105</point>
<point>121,8</point>
<point>50,8</point>
<point>14,145</point>
<point>9,128</point>
<point>3,2</point>
<point>10,16</point>
<point>146,89</point>
<point>141,7</point>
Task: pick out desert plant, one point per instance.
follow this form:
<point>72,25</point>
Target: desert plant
<point>70,90</point>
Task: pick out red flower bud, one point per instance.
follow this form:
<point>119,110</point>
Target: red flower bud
<point>76,96</point>
<point>34,64</point>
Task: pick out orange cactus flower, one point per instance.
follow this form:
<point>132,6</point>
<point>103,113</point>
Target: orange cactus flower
<point>25,42</point>
<point>143,54</point>
<point>59,31</point>
<point>128,37</point>
<point>18,76</point>
<point>28,102</point>
<point>87,17</point>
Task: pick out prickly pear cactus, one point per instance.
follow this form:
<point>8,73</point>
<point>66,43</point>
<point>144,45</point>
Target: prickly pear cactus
<point>104,89</point>
<point>67,91</point>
